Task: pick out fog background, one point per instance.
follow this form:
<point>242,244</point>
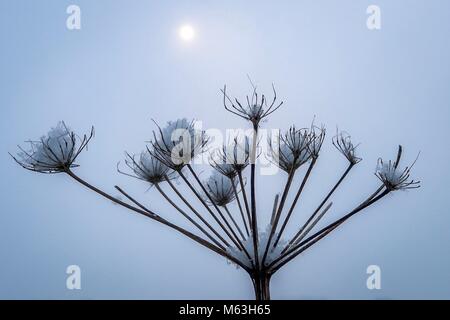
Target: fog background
<point>127,65</point>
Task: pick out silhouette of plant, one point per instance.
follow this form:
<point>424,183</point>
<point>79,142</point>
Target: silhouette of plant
<point>236,236</point>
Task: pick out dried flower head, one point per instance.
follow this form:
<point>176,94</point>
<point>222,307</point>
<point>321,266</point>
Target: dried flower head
<point>232,159</point>
<point>316,138</point>
<point>55,152</point>
<point>255,109</point>
<point>178,143</point>
<point>227,169</point>
<point>393,177</point>
<point>220,189</point>
<point>147,168</point>
<point>290,150</point>
<point>342,141</point>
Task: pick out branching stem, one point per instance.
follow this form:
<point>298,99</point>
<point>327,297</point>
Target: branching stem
<point>156,217</point>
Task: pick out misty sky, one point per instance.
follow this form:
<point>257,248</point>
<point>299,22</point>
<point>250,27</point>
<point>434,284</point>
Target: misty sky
<point>127,65</point>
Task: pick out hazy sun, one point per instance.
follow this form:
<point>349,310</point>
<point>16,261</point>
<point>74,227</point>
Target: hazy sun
<point>187,32</point>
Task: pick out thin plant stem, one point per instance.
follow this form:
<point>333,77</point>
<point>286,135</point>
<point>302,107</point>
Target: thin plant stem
<point>156,217</point>
<point>302,249</point>
<point>293,240</point>
<point>132,199</point>
<point>199,197</point>
<point>331,227</point>
<point>253,196</point>
<point>188,217</point>
<point>196,212</point>
<point>234,222</point>
<point>313,223</point>
<point>279,211</point>
<point>236,195</point>
<point>274,209</point>
<point>297,196</point>
<point>236,239</point>
<point>244,196</point>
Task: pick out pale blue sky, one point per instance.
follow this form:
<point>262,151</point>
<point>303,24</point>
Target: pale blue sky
<point>127,65</point>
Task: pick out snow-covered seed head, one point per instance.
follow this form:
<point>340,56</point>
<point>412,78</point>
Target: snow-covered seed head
<point>147,168</point>
<point>393,177</point>
<point>255,109</point>
<point>290,150</point>
<point>342,141</point>
<point>221,166</point>
<point>55,152</point>
<point>232,159</point>
<point>178,143</point>
<point>220,189</point>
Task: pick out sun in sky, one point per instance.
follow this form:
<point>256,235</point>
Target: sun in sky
<point>186,32</point>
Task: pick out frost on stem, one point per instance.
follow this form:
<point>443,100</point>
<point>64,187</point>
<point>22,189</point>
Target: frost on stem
<point>55,152</point>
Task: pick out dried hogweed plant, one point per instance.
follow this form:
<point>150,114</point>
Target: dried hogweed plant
<point>236,236</point>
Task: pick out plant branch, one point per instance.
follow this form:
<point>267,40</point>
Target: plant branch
<point>188,217</point>
<point>196,212</point>
<point>278,214</point>
<point>156,217</point>
<point>274,209</point>
<point>199,197</point>
<point>244,196</point>
<point>234,222</point>
<point>372,199</point>
<point>234,238</point>
<point>293,240</point>
<point>253,196</point>
<point>297,196</point>
<point>313,223</point>
<point>236,195</point>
